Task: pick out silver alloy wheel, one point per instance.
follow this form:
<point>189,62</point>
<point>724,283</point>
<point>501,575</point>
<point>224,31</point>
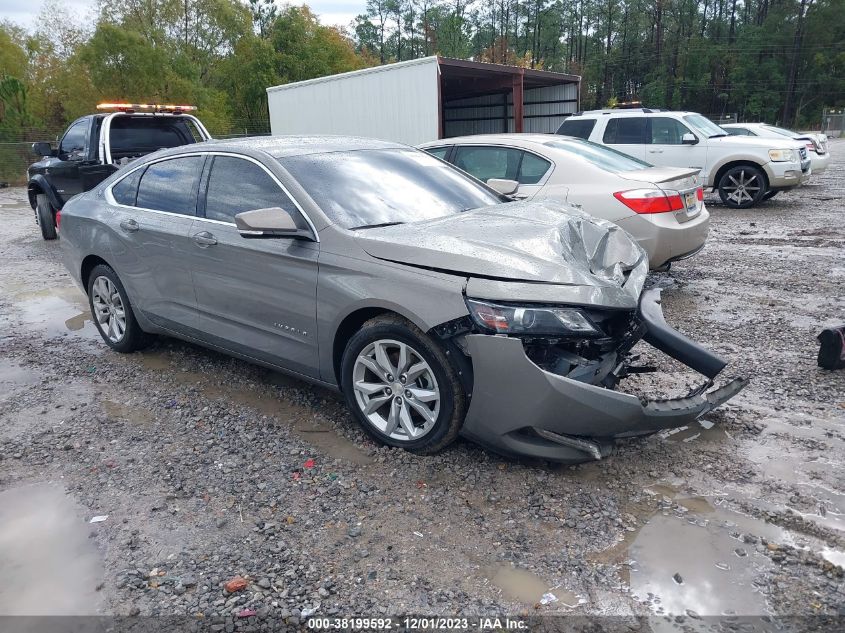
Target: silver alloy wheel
<point>743,190</point>
<point>108,309</point>
<point>396,390</point>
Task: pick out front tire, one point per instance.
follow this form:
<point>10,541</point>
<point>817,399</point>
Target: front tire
<point>742,187</point>
<point>112,311</point>
<point>45,217</point>
<point>401,387</point>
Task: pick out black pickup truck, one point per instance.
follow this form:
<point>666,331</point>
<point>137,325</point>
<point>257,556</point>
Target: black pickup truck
<point>96,145</point>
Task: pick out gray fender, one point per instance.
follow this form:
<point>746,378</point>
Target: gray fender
<point>39,182</point>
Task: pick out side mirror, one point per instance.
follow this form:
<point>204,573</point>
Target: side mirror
<point>689,139</point>
<point>269,222</point>
<point>503,186</point>
<point>42,148</point>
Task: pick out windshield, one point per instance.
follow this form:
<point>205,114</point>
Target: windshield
<point>704,126</point>
<point>602,157</point>
<point>359,189</point>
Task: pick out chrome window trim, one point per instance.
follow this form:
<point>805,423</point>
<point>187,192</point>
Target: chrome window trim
<point>104,145</point>
<point>110,197</point>
<point>539,183</point>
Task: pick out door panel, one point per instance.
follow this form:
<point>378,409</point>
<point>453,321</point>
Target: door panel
<point>257,296</point>
<point>153,266</point>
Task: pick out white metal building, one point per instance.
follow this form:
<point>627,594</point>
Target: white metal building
<point>425,99</point>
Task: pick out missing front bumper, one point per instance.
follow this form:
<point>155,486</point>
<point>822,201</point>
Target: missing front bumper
<point>517,408</point>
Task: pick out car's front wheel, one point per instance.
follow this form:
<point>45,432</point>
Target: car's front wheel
<point>742,186</point>
<point>45,216</point>
<point>112,311</point>
<point>401,387</point>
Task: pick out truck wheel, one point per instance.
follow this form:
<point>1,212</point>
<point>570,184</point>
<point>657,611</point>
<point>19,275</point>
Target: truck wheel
<point>742,186</point>
<point>401,387</point>
<point>45,217</point>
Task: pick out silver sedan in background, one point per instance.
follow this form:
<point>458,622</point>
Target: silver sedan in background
<point>435,305</point>
<point>662,207</point>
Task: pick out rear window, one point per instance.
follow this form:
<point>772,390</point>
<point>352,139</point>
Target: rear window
<point>626,131</point>
<point>131,136</point>
<point>602,157</point>
<point>579,128</point>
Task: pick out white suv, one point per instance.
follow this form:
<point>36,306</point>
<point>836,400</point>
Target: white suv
<point>744,170</point>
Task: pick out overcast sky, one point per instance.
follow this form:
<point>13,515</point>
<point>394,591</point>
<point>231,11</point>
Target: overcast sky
<point>24,12</point>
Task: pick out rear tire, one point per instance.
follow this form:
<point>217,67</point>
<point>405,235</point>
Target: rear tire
<point>45,216</point>
<point>112,313</point>
<point>401,387</point>
<point>742,187</point>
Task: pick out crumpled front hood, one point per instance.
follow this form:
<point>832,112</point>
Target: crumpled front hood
<point>535,242</point>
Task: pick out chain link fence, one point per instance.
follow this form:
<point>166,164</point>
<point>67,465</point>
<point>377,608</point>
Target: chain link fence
<point>833,122</point>
<point>16,144</point>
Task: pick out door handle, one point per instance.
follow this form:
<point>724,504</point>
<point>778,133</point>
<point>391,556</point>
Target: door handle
<point>204,239</point>
<point>655,151</point>
<point>130,226</point>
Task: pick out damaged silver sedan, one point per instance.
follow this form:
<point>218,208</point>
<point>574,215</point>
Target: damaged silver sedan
<point>437,306</point>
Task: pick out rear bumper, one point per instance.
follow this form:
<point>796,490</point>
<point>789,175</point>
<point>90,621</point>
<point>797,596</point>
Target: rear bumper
<point>664,238</point>
<point>528,411</point>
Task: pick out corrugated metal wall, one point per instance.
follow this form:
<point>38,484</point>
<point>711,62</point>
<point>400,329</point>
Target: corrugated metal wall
<point>398,102</point>
<point>489,115</point>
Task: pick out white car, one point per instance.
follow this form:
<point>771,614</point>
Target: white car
<point>816,144</point>
<point>745,171</point>
<point>660,207</point>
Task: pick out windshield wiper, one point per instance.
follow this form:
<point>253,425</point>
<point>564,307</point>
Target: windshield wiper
<point>374,226</point>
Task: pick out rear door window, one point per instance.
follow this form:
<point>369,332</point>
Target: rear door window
<point>171,185</point>
<point>439,152</point>
<point>489,162</point>
<point>628,130</point>
<point>126,190</point>
<point>236,185</point>
<point>579,128</point>
<point>533,169</point>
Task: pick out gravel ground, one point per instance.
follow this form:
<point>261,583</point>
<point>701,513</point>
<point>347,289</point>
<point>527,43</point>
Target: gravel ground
<point>209,469</point>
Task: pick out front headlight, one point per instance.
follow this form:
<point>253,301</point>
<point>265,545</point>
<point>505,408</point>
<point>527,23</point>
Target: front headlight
<point>782,155</point>
<point>531,320</point>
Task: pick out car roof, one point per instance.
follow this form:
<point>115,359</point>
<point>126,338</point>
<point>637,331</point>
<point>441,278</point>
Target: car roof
<point>496,138</point>
<point>296,145</point>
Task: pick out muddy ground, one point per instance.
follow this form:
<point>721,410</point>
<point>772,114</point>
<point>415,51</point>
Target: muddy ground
<point>208,468</point>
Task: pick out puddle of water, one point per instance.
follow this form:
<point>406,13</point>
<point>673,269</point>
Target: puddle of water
<point>56,311</point>
<point>50,564</point>
<point>13,376</point>
<point>518,584</point>
<point>135,415</point>
<point>698,431</point>
<point>300,418</point>
<point>694,565</point>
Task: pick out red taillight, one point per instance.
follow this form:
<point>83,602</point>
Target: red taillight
<point>811,147</point>
<point>650,200</point>
<point>699,193</point>
<point>58,218</point>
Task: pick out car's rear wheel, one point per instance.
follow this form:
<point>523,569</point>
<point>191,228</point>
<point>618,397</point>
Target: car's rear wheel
<point>742,186</point>
<point>45,216</point>
<point>112,311</point>
<point>401,387</point>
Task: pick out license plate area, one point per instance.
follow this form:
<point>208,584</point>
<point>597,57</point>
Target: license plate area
<point>691,206</point>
